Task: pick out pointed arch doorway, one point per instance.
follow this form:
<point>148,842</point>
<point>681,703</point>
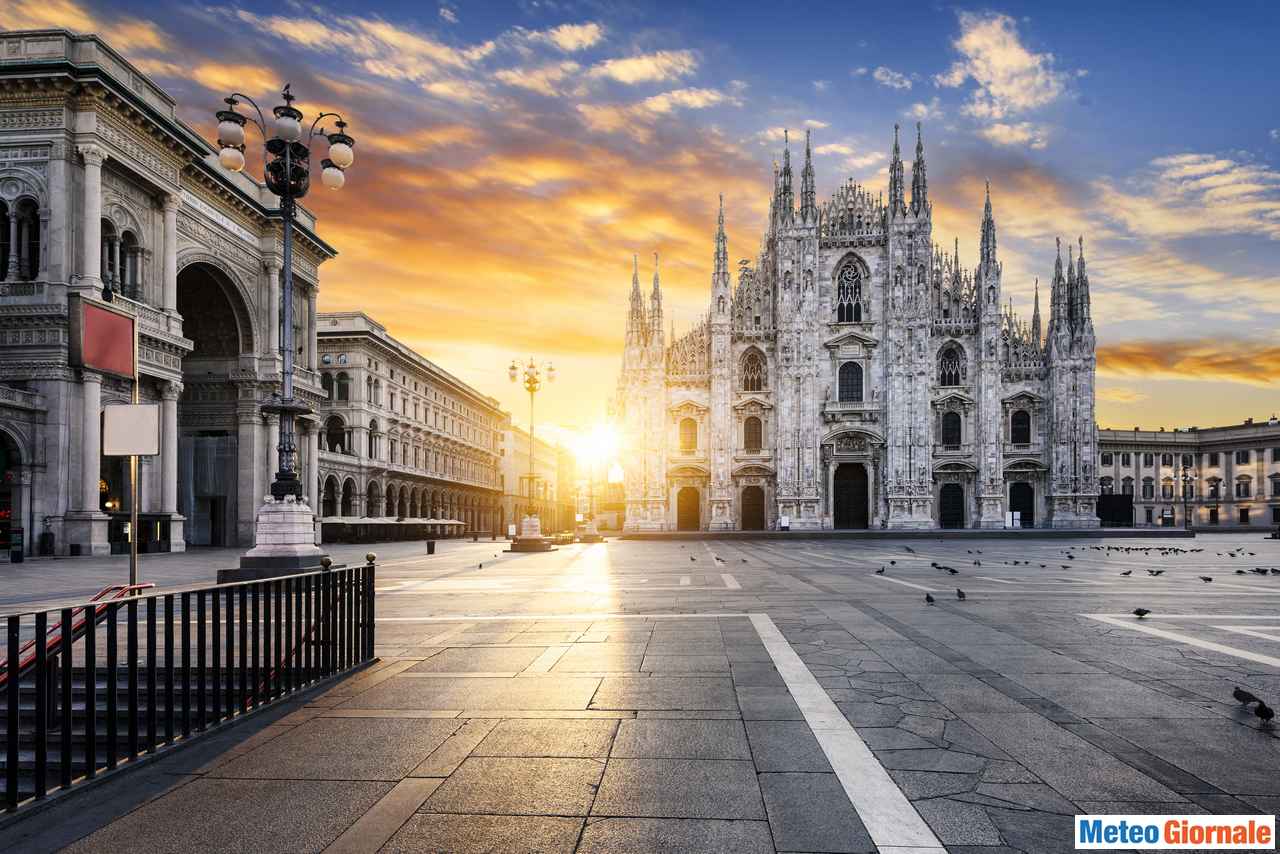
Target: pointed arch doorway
<point>1022,500</point>
<point>851,504</point>
<point>951,506</point>
<point>688,509</point>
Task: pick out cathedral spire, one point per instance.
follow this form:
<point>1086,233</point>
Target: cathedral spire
<point>808,205</point>
<point>919,181</point>
<point>1035,315</point>
<point>788,195</point>
<point>637,323</point>
<point>1083,318</point>
<point>896,206</point>
<point>987,255</point>
<point>655,307</point>
<point>722,244</point>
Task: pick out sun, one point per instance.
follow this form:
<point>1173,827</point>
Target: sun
<point>599,446</point>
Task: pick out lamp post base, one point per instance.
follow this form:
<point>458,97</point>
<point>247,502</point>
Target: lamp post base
<point>284,544</point>
<point>530,539</point>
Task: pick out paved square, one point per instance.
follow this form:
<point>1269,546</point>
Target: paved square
<point>766,696</point>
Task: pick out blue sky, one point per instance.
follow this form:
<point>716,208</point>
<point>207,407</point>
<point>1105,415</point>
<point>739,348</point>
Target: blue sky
<point>512,156</point>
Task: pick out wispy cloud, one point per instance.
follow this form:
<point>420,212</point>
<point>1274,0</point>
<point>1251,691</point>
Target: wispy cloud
<point>893,79</point>
<point>1017,133</point>
<point>1194,359</point>
<point>636,118</point>
<point>926,112</point>
<point>661,66</point>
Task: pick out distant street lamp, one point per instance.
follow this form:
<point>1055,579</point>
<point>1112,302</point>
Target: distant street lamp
<point>287,173</point>
<point>532,375</point>
<point>1188,482</point>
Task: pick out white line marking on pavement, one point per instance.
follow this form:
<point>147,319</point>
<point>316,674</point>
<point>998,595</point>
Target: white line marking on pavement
<point>905,583</point>
<point>997,580</point>
<point>1254,632</point>
<point>730,582</point>
<point>685,581</point>
<point>1187,639</point>
<point>886,813</point>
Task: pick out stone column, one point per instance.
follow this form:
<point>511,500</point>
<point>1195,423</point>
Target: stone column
<point>312,359</point>
<point>92,211</point>
<point>25,268</point>
<point>169,287</point>
<point>273,304</point>
<point>116,273</point>
<point>42,271</point>
<point>169,447</point>
<point>248,477</point>
<point>11,274</point>
<point>91,451</point>
<point>312,470</point>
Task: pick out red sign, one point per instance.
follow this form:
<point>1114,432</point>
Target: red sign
<point>101,338</point>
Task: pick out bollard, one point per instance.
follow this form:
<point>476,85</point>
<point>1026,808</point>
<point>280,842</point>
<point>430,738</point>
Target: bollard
<point>431,547</point>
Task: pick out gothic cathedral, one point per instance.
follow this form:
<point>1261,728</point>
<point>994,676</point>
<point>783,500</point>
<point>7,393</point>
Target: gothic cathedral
<point>857,376</point>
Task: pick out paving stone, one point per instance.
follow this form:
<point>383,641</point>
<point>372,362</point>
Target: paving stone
<point>756,675</point>
<point>964,693</point>
<point>548,737</point>
<point>772,704</point>
<point>957,822</point>
<point>344,749</point>
<point>932,784</point>
<point>483,834</point>
<point>665,692</point>
<point>963,737</point>
<point>510,786</point>
<point>891,738</point>
<point>1034,796</point>
<point>684,663</point>
<point>543,692</point>
<point>1236,759</point>
<point>870,714</point>
<point>930,728</point>
<point>785,746</point>
<point>1007,772</point>
<point>239,815</point>
<point>674,836</point>
<point>1039,832</point>
<point>679,788</point>
<point>811,812</point>
<point>600,658</point>
<point>498,659</point>
<point>681,739</point>
<point>931,760</point>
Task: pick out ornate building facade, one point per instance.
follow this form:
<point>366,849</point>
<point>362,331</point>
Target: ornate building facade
<point>402,438</point>
<point>101,183</point>
<point>858,376</point>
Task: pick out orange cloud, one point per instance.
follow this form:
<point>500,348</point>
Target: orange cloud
<point>1248,362</point>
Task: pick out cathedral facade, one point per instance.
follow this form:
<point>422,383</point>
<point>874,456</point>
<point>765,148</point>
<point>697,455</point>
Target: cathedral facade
<point>858,376</point>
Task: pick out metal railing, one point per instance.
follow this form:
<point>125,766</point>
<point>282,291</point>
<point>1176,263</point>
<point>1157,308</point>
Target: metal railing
<point>134,675</point>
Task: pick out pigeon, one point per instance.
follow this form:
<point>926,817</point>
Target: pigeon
<point>953,571</point>
<point>933,563</point>
<point>908,548</point>
<point>1243,696</point>
<point>977,563</point>
<point>1206,578</point>
<point>893,563</point>
<point>1275,571</point>
<point>880,571</point>
<point>744,560</point>
<point>1240,572</point>
<point>1066,566</point>
<point>1155,572</point>
<point>959,594</point>
<point>480,566</point>
<point>1044,565</point>
<point>928,599</point>
<point>1140,612</point>
<point>1263,711</point>
<point>1127,572</point>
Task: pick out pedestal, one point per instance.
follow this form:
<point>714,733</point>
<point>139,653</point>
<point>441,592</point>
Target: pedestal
<point>591,534</point>
<point>88,531</point>
<point>284,542</point>
<point>530,539</point>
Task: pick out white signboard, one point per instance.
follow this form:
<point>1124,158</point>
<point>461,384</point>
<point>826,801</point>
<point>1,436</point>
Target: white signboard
<point>131,429</point>
<point>511,530</point>
<point>784,522</point>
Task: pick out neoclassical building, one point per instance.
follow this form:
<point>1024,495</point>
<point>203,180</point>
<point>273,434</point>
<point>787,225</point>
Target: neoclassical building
<point>859,376</point>
<point>1219,477</point>
<point>401,437</point>
<point>101,184</point>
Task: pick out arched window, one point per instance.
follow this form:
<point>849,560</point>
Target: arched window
<point>951,429</point>
<point>951,368</point>
<point>326,383</point>
<point>1107,486</point>
<point>688,434</point>
<point>1166,488</point>
<point>335,435</point>
<point>849,294</point>
<point>343,386</point>
<point>753,371</point>
<point>850,385</point>
<point>1148,488</point>
<point>1244,487</point>
<point>752,434</point>
<point>1126,486</point>
<point>373,440</point>
<point>1020,427</point>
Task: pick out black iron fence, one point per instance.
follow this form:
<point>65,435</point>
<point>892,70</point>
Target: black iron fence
<point>90,686</point>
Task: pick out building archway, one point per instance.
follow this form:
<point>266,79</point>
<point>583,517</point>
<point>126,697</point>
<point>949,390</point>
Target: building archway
<point>852,502</point>
<point>348,506</point>
<point>753,508</point>
<point>688,509</point>
<point>10,490</point>
<point>1022,500</point>
<point>219,323</point>
<point>951,506</point>
<point>329,498</point>
<point>373,498</point>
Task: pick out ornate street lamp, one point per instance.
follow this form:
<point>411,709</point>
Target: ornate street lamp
<point>287,173</point>
<point>532,376</point>
<point>1188,483</point>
